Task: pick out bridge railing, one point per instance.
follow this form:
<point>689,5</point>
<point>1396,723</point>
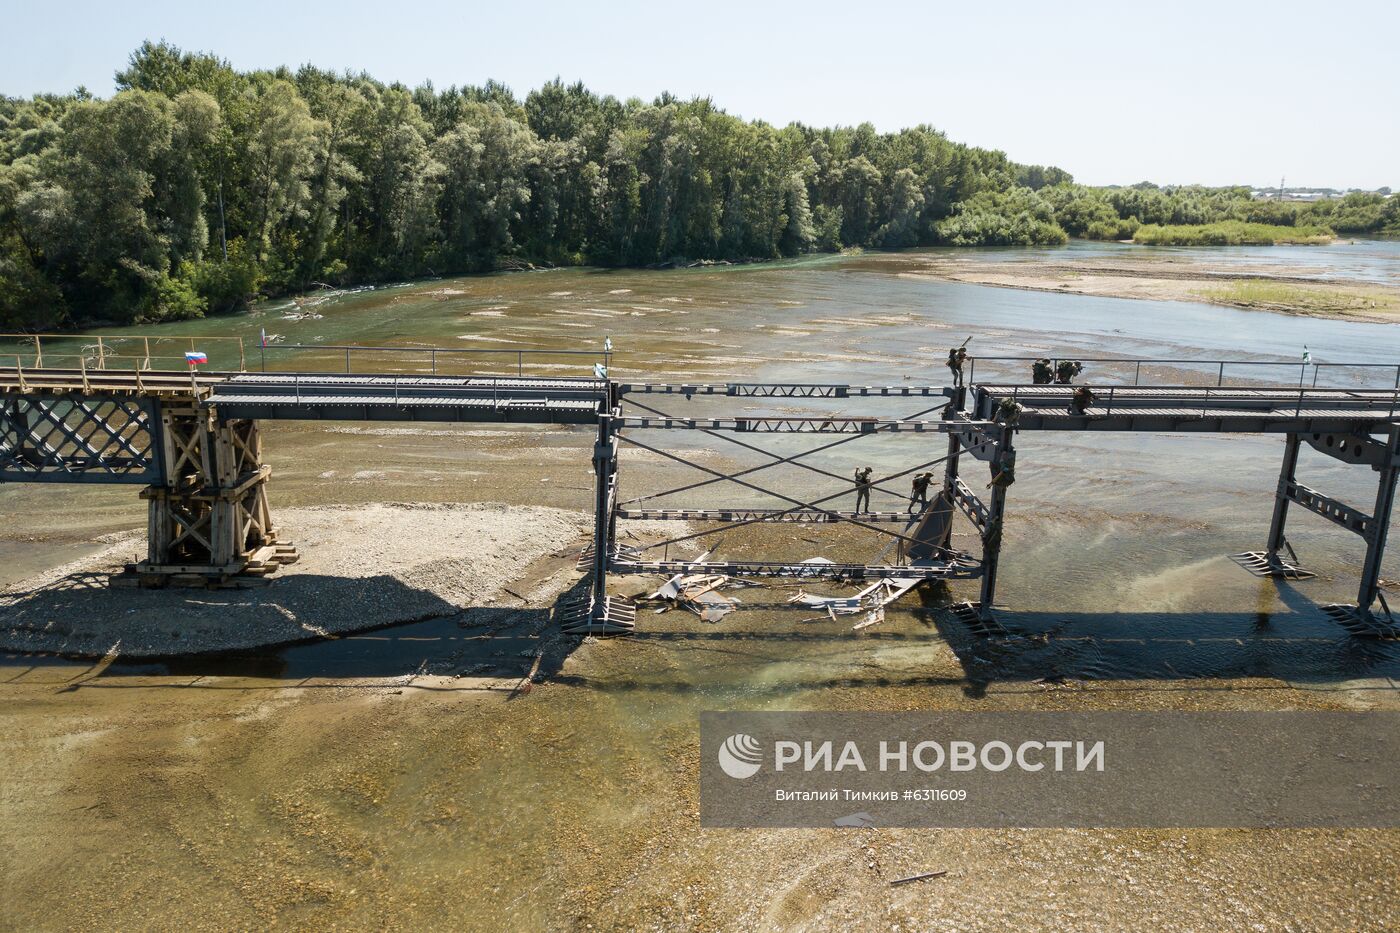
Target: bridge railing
<point>1369,401</point>
<point>139,352</point>
<point>1155,371</point>
<point>144,353</point>
<point>434,361</point>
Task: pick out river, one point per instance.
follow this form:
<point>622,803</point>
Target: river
<point>318,785</point>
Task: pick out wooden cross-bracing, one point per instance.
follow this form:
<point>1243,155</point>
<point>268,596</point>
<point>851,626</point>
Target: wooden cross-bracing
<point>209,521</point>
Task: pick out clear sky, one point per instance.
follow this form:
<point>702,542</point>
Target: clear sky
<point>1115,92</point>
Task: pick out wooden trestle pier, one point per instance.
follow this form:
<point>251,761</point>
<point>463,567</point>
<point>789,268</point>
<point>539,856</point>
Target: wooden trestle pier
<point>191,440</point>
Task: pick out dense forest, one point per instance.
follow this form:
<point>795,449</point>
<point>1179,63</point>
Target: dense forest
<point>196,188</point>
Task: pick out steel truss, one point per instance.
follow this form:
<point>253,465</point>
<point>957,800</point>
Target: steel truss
<point>787,425</point>
<point>76,438</point>
<point>925,537</point>
<point>1383,457</point>
<point>779,390</point>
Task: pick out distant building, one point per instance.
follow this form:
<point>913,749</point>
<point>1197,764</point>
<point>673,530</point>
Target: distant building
<point>1308,194</point>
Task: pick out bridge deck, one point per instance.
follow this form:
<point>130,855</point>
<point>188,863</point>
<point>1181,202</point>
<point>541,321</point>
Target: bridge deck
<point>105,382</point>
<point>315,396</point>
<point>299,396</point>
<point>1236,409</point>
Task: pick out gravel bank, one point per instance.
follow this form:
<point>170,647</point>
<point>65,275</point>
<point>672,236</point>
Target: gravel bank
<point>361,567</point>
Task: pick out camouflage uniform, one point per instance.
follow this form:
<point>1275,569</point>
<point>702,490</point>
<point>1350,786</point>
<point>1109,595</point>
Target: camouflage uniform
<point>1083,398</point>
<point>920,490</point>
<point>1067,370</point>
<point>863,489</point>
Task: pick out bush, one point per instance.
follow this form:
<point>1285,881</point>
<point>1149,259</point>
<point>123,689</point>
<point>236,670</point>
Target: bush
<point>1229,233</point>
<point>1112,229</point>
<point>1019,217</point>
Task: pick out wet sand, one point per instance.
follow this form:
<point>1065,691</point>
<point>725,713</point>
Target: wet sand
<point>1280,289</point>
<point>203,798</point>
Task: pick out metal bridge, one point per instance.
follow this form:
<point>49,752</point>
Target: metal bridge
<point>191,439</point>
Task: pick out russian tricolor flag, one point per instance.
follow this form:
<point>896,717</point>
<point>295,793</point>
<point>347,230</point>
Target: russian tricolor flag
<point>195,357</point>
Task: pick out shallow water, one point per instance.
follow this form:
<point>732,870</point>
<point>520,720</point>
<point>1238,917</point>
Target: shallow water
<point>1375,261</point>
<point>1114,574</point>
<point>1170,501</point>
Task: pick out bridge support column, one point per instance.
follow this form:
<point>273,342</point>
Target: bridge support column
<point>208,522</point>
<point>1383,456</point>
<point>596,613</point>
<point>944,505</point>
<point>1003,466</point>
<point>1286,477</point>
<point>1378,530</point>
<point>1270,562</point>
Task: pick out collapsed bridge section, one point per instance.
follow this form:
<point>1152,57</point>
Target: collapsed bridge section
<point>981,422</point>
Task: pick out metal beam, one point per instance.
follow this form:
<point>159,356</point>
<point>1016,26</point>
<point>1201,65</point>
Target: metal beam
<point>794,459</point>
<point>446,411</point>
<point>780,390</point>
<point>1376,535</point>
<point>79,438</point>
<point>978,440</point>
<point>793,425</point>
<point>938,571</point>
<point>797,503</point>
<point>1353,448</point>
<point>1333,510</point>
<point>1286,480</point>
<point>974,508</point>
<point>796,516</point>
<point>1004,459</point>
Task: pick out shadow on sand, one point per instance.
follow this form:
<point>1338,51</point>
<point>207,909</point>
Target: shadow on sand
<point>489,646</point>
<point>439,638</point>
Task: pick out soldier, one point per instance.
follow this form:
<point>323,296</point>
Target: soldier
<point>1067,370</point>
<point>919,494</point>
<point>1083,398</point>
<point>863,488</point>
<point>1008,411</point>
<point>956,357</point>
<point>1042,372</point>
<point>1003,476</point>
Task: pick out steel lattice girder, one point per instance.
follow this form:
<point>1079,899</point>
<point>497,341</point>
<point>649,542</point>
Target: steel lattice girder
<point>837,425</point>
<point>793,515</point>
<point>933,570</point>
<point>63,438</point>
<point>779,390</point>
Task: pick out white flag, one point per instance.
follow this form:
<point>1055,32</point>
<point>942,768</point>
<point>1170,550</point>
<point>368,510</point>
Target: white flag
<point>1307,356</point>
<point>607,344</point>
<point>600,371</point>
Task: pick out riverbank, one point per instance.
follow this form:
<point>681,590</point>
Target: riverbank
<point>1153,277</point>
